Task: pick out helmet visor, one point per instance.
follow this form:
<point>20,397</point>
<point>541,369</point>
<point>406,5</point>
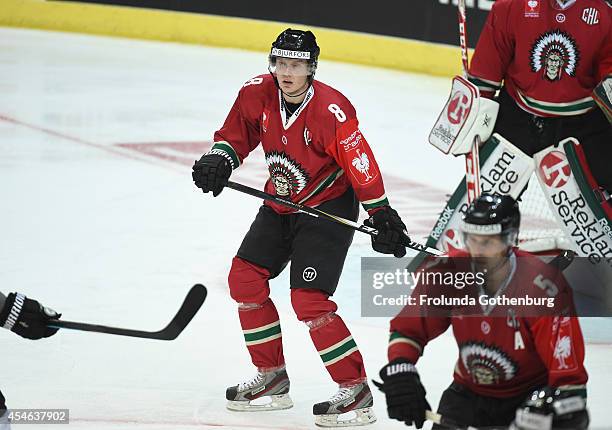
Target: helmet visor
<point>473,241</point>
<point>285,66</point>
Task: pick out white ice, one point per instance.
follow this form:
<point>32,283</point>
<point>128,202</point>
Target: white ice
<point>99,219</point>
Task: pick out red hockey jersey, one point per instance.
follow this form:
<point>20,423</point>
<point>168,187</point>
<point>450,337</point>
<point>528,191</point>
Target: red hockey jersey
<point>549,58</point>
<point>506,354</point>
<point>313,155</point>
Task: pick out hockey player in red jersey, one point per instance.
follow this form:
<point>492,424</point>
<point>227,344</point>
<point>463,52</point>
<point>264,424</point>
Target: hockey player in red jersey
<point>514,367</point>
<point>28,319</point>
<point>547,57</point>
<point>316,155</point>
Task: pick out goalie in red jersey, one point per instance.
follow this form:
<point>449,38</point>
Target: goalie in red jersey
<point>515,367</point>
<point>551,61</point>
<point>317,156</point>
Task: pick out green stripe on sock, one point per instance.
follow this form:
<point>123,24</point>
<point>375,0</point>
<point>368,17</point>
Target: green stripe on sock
<point>338,351</point>
<point>251,337</point>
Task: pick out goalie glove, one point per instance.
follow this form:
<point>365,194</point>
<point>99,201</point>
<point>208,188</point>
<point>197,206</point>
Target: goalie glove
<point>553,409</point>
<point>27,317</point>
<point>602,94</point>
<point>465,116</point>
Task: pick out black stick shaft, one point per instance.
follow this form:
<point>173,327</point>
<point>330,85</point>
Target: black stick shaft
<point>96,328</point>
<point>321,214</point>
<point>192,303</point>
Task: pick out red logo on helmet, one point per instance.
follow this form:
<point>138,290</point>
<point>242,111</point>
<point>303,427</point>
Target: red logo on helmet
<point>458,108</point>
<point>554,169</point>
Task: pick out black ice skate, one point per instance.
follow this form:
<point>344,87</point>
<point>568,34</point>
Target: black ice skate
<point>267,391</point>
<point>354,404</point>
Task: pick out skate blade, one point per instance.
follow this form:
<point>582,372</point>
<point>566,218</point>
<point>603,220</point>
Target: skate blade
<point>277,402</point>
<point>360,417</point>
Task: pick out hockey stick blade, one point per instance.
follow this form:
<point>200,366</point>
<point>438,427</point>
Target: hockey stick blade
<point>192,303</point>
<point>441,420</point>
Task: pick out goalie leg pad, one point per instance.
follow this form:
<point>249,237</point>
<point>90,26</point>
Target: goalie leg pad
<point>574,198</point>
<point>504,169</point>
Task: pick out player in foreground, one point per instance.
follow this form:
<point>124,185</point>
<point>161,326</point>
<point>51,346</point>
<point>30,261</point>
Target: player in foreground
<point>316,155</point>
<point>516,368</point>
<point>28,319</point>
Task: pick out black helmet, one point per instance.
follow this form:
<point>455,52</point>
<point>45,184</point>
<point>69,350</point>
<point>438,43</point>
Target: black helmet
<point>493,214</point>
<point>296,44</point>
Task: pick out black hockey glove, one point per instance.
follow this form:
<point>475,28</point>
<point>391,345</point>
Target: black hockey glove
<point>404,392</point>
<point>553,408</point>
<point>392,237</point>
<point>211,173</point>
<point>27,317</point>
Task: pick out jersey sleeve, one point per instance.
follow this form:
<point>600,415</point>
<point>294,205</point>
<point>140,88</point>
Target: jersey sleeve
<point>557,335</point>
<point>560,345</point>
<point>604,60</point>
<point>415,326</point>
<point>409,335</point>
<point>494,50</point>
<point>353,154</point>
<point>239,134</point>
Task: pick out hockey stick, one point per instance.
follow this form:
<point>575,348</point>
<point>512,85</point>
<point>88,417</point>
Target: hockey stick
<point>320,214</point>
<point>472,159</point>
<point>192,303</point>
<point>446,422</point>
<point>563,260</point>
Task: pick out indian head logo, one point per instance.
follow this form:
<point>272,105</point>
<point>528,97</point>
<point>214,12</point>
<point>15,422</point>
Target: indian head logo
<point>458,108</point>
<point>554,53</point>
<point>487,364</point>
<point>554,169</point>
<point>288,177</point>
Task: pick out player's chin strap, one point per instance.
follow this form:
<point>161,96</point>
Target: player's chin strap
<point>296,95</point>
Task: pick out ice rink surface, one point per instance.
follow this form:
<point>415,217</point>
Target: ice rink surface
<point>100,220</point>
